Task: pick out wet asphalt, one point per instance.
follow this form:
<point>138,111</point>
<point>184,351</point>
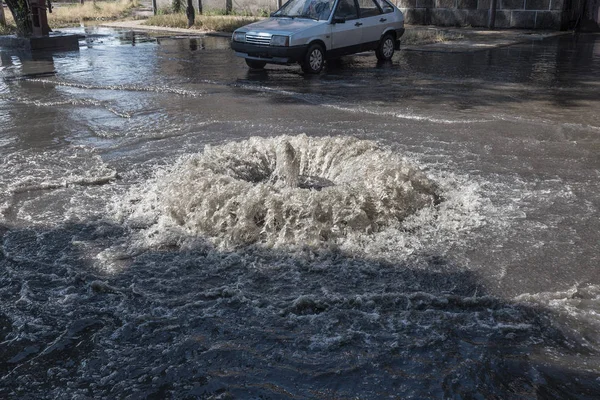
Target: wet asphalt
<point>521,123</point>
<point>524,119</point>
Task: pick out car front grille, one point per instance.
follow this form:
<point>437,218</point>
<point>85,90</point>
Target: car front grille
<point>263,40</point>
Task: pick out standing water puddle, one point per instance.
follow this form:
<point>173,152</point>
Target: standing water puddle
<point>175,226</point>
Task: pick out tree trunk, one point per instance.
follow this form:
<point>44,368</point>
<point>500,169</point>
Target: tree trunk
<point>199,7</point>
<point>20,11</point>
<point>191,15</point>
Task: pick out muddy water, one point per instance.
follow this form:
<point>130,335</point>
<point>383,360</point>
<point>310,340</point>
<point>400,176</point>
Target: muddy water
<point>440,239</point>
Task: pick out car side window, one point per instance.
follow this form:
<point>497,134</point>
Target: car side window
<point>368,8</point>
<point>385,6</point>
<point>346,9</point>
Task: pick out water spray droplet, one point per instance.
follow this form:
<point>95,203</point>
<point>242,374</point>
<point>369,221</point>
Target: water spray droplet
<point>287,165</point>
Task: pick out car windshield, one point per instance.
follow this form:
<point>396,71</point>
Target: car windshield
<point>314,9</point>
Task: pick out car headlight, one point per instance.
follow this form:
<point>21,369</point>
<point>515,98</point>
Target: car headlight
<point>239,36</point>
<point>278,40</point>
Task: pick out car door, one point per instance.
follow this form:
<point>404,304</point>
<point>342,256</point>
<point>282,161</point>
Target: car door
<point>346,37</point>
<point>374,23</point>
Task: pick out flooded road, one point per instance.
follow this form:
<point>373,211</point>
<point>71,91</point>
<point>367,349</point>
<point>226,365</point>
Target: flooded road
<point>439,238</point>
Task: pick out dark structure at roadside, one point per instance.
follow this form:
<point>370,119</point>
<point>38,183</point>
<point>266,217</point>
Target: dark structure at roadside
<point>33,31</point>
<point>526,14</point>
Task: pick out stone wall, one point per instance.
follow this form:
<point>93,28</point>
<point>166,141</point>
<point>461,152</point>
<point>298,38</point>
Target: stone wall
<point>528,14</point>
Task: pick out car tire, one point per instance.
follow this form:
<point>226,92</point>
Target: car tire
<point>385,50</point>
<point>255,64</point>
<point>314,59</point>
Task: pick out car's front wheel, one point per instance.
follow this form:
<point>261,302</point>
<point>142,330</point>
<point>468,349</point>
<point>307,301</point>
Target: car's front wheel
<point>385,50</point>
<point>255,64</point>
<point>314,59</point>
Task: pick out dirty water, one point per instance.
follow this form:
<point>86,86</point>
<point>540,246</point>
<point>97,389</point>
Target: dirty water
<point>174,225</point>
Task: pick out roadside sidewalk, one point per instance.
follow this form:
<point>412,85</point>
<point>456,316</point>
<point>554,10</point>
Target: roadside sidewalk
<point>463,40</point>
<point>137,25</point>
<point>467,40</point>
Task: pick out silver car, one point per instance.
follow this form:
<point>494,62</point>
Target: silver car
<point>310,31</point>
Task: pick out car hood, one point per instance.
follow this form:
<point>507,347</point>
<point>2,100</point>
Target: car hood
<point>282,26</point>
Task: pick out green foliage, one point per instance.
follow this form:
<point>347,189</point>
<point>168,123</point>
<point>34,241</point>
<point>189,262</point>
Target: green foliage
<point>20,12</point>
<point>177,6</point>
<point>8,29</point>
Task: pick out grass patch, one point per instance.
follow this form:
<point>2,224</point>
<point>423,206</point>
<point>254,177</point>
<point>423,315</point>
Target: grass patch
<point>72,14</point>
<point>9,28</point>
<point>221,23</point>
<point>428,36</point>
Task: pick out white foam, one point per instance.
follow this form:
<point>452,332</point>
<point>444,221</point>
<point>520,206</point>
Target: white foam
<point>578,306</point>
<point>133,88</point>
<point>377,205</point>
<point>29,171</point>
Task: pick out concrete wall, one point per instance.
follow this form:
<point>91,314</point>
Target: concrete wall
<point>527,14</point>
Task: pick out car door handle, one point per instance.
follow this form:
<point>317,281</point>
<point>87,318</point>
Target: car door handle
<point>358,24</point>
<point>383,20</point>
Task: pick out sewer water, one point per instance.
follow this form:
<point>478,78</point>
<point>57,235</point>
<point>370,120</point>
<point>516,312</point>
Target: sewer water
<point>173,225</point>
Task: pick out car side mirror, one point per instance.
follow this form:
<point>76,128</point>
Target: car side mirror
<point>338,20</point>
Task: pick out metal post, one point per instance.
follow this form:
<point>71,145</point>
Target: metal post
<point>492,15</point>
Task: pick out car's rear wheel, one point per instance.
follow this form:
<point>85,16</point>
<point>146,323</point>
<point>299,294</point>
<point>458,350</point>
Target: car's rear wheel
<point>255,64</point>
<point>385,50</point>
<point>314,59</point>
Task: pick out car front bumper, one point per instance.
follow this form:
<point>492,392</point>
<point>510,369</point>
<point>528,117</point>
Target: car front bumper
<point>270,54</point>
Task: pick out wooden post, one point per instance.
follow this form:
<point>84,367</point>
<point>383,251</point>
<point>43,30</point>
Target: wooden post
<point>492,15</point>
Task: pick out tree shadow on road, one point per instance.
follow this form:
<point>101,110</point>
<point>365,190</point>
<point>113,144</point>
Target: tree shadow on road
<point>264,323</point>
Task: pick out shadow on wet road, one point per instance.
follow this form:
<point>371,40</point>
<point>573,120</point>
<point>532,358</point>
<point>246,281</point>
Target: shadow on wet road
<point>256,322</point>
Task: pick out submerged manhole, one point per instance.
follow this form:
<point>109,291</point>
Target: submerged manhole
<point>283,190</point>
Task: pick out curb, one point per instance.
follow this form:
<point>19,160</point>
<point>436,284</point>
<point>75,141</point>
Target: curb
<point>137,26</point>
<point>474,40</point>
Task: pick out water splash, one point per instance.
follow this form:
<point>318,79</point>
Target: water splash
<point>297,191</point>
<point>287,165</point>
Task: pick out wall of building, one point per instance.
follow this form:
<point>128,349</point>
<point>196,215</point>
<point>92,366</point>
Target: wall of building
<point>530,14</point>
